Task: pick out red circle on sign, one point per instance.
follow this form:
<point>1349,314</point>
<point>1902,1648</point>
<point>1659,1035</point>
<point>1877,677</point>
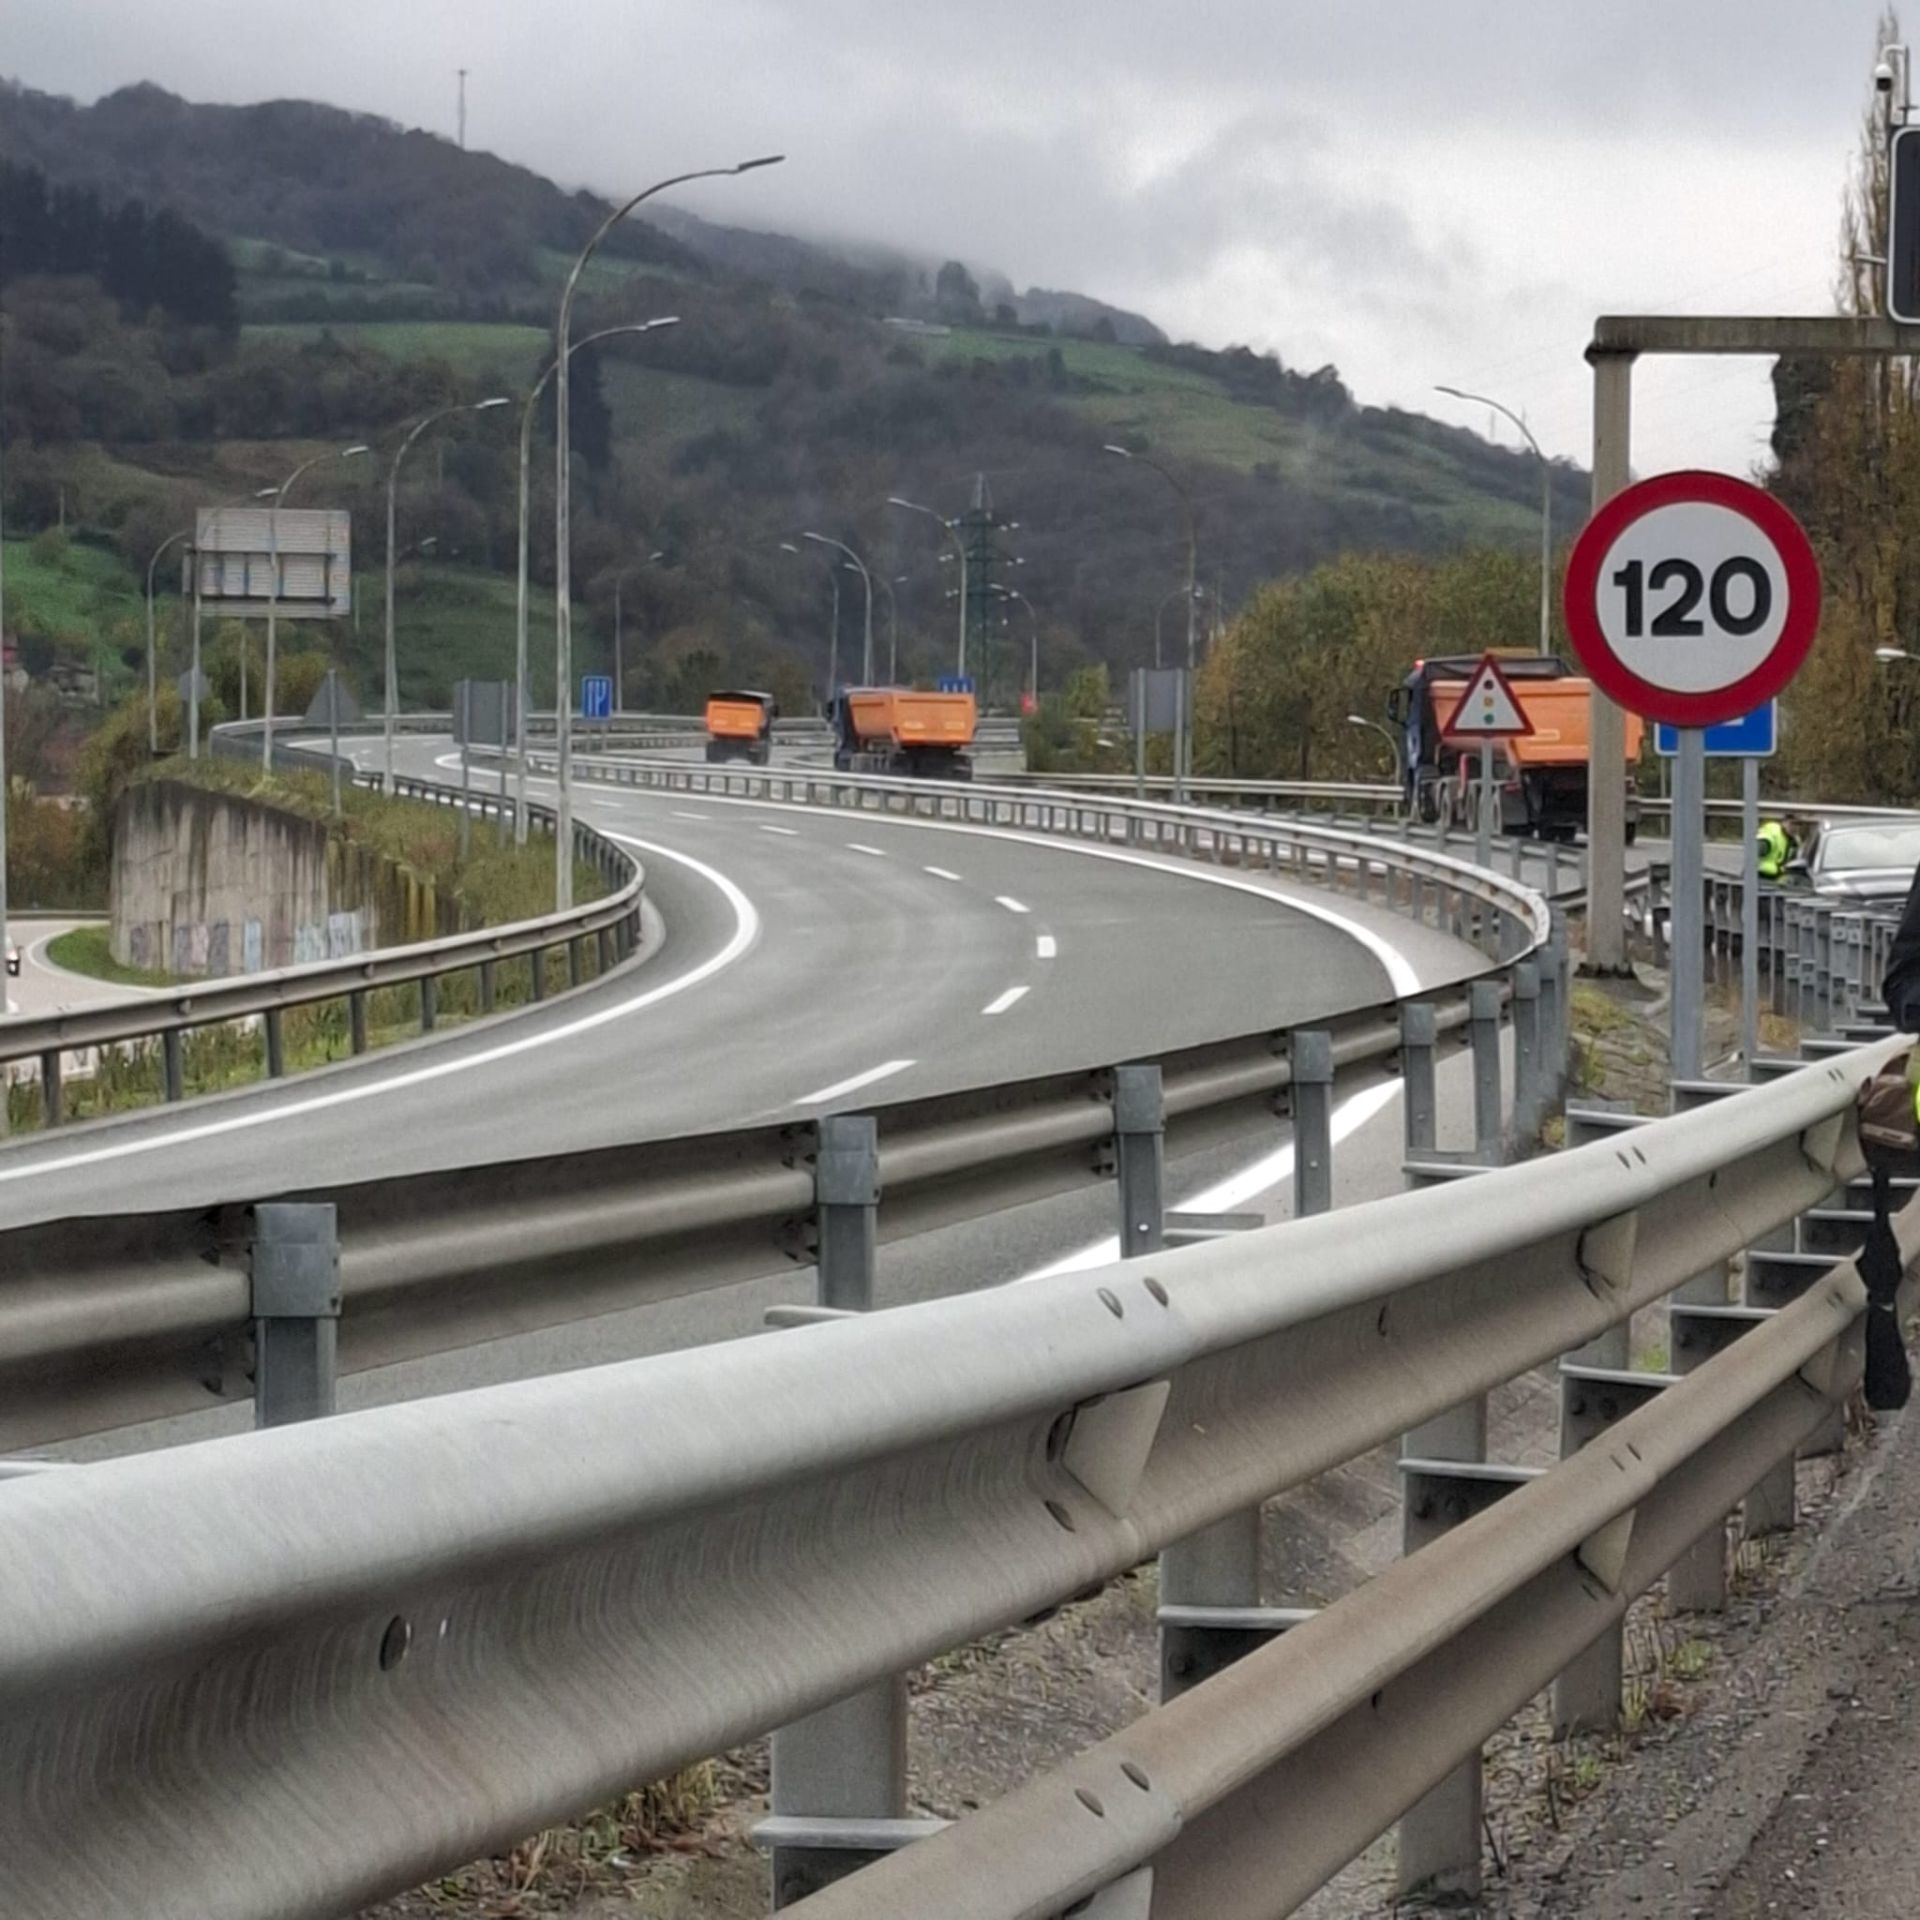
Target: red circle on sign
<point>1676,706</point>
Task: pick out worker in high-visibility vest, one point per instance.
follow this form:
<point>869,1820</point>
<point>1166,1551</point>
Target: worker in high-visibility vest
<point>1776,849</point>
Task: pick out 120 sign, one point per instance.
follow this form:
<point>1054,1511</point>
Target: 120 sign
<point>1677,620</point>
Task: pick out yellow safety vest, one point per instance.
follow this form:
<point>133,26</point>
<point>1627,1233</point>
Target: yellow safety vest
<point>1775,849</point>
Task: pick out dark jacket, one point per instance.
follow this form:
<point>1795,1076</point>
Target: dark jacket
<point>1902,985</point>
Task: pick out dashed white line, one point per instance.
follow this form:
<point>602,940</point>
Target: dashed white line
<point>1006,1000</point>
<point>1045,946</point>
<point>857,846</point>
<point>1010,903</point>
<point>941,873</point>
<point>859,1080</point>
<point>692,816</point>
<point>789,833</point>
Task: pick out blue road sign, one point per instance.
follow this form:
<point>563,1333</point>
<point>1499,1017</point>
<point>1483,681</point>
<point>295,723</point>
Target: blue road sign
<point>596,696</point>
<point>955,683</point>
<point>1751,737</point>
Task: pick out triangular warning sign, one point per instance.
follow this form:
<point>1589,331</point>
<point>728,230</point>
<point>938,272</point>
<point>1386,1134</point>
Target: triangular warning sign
<point>1488,709</point>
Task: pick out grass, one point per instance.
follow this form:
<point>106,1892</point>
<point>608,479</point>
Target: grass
<point>73,593</point>
<point>89,950</point>
<point>1180,411</point>
<point>514,354</point>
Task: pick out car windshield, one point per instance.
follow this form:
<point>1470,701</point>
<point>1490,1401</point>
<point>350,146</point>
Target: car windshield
<point>1853,849</point>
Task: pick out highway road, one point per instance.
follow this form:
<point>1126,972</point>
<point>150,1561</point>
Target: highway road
<point>44,988</point>
<point>809,961</point>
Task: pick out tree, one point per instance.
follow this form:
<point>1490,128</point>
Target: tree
<point>956,294</point>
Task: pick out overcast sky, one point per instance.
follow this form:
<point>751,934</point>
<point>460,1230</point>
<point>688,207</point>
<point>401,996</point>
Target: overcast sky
<point>1418,191</point>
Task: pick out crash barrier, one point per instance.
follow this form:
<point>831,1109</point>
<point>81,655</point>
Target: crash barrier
<point>122,1318</point>
<point>452,1621</point>
<point>607,930</point>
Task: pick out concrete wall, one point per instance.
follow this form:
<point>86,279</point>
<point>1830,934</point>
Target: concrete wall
<point>209,884</point>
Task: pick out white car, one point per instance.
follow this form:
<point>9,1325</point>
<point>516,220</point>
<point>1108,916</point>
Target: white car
<point>1864,861</point>
<point>13,960</point>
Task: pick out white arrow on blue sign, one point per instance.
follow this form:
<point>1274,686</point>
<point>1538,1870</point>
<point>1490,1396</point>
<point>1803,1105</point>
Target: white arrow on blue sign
<point>596,696</point>
<point>1752,737</point>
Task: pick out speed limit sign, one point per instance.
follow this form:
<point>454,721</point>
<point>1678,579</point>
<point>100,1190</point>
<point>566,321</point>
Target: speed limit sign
<point>1692,598</point>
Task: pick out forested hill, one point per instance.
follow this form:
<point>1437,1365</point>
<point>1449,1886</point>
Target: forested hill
<point>378,272</point>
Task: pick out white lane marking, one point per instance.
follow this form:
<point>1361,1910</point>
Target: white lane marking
<point>1045,946</point>
<point>1010,903</point>
<point>941,873</point>
<point>746,931</point>
<point>855,846</point>
<point>692,816</point>
<point>885,1070</point>
<point>789,832</point>
<point>1006,1000</point>
<point>1400,971</point>
<point>1238,1188</point>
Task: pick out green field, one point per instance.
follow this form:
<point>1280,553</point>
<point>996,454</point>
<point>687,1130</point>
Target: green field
<point>513,355</point>
<point>1176,410</point>
<point>75,592</point>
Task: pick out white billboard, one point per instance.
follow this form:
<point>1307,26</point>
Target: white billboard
<point>234,549</point>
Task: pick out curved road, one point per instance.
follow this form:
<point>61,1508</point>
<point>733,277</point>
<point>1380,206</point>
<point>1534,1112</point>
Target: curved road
<point>810,960</point>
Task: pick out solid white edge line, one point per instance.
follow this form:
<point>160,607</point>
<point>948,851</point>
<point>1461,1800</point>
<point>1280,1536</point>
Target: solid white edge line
<point>746,932</point>
<point>1238,1188</point>
<point>1010,903</point>
<point>1045,946</point>
<point>1006,1000</point>
<point>885,1070</point>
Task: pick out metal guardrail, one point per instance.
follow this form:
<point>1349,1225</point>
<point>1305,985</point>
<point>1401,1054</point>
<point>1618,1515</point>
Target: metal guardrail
<point>452,1621</point>
<point>612,922</point>
<point>112,1320</point>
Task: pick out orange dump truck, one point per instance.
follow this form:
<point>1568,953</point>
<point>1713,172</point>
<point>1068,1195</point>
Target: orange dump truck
<point>1542,775</point>
<point>740,726</point>
<point>896,730</point>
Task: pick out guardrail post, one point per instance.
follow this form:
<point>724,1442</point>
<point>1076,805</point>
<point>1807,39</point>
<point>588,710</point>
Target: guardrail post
<point>537,974</point>
<point>1553,1018</point>
<point>172,1064</point>
<point>844,1767</point>
<point>1312,1099</point>
<point>1483,1028</point>
<point>429,1003</point>
<point>276,1044</point>
<point>1419,1034</point>
<point>295,1262</point>
<point>1139,1150</point>
<point>1526,1050</point>
<point>52,1107</point>
<point>357,1019</point>
<point>486,986</point>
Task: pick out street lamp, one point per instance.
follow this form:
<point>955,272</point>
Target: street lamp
<point>619,660</point>
<point>393,490</point>
<point>833,641</point>
<point>563,515</point>
<point>1185,759</point>
<point>520,599</point>
<point>886,586</point>
<point>860,567</point>
<point>273,582</point>
<point>1546,506</point>
<point>1393,745</point>
<point>1191,592</point>
<point>951,528</point>
<point>153,675</point>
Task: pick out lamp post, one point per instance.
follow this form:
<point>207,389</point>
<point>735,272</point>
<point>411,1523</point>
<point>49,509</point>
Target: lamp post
<point>393,493</point>
<point>1183,761</point>
<point>833,638</point>
<point>619,626</point>
<point>1033,645</point>
<point>563,515</point>
<point>885,585</point>
<point>866,579</point>
<point>1546,506</point>
<point>1160,611</point>
<point>527,412</point>
<point>273,583</point>
<point>153,671</point>
<point>1393,746</point>
<point>951,528</point>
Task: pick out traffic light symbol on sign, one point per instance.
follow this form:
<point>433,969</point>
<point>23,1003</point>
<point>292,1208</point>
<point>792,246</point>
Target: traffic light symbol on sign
<point>1903,227</point>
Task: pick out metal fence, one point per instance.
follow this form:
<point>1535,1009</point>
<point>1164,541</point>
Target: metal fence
<point>606,931</point>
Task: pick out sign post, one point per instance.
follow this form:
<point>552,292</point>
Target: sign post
<point>1692,598</point>
<point>1487,711</point>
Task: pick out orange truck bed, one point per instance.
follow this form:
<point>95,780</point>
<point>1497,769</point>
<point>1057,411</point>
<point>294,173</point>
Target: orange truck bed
<point>911,719</point>
<point>735,719</point>
<point>1558,710</point>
